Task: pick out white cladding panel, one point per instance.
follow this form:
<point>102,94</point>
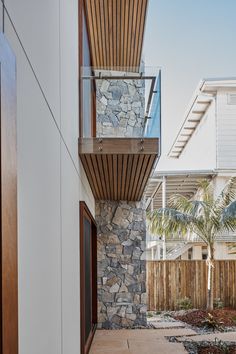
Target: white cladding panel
<point>39,242</point>
<point>226,130</point>
<point>51,181</point>
<point>37,25</point>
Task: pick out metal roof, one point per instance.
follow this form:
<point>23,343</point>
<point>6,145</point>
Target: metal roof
<point>177,182</point>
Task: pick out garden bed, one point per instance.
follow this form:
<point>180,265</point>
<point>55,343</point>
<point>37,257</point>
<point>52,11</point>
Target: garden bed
<point>224,317</point>
<point>210,348</point>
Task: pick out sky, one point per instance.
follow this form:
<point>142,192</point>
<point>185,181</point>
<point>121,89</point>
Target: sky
<point>190,40</point>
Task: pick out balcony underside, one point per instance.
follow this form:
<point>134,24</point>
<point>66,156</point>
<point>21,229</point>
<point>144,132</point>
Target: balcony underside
<point>116,30</point>
<point>118,168</point>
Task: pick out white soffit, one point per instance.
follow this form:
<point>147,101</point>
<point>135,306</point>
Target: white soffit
<point>185,183</point>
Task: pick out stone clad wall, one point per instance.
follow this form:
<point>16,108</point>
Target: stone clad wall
<point>120,108</point>
<point>121,272</point>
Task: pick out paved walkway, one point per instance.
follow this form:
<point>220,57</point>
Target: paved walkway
<point>138,341</point>
<point>150,341</point>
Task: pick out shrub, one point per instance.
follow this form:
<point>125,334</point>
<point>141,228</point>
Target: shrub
<point>149,314</point>
<point>222,346</point>
<point>158,312</point>
<point>218,303</point>
<point>210,322</point>
<point>166,314</point>
<point>234,318</point>
<point>185,303</point>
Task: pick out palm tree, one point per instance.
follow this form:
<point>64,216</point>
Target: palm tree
<point>205,218</point>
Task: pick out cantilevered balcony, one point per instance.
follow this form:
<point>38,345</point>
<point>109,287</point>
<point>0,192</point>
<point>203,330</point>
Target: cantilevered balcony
<point>120,146</point>
<point>118,168</point>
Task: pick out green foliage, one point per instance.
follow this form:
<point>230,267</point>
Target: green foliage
<point>234,319</point>
<point>185,303</point>
<point>149,314</point>
<point>166,314</point>
<point>158,312</point>
<point>218,303</point>
<point>205,218</point>
<point>210,322</point>
<point>220,344</point>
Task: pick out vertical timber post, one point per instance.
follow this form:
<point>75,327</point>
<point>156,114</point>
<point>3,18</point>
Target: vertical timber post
<point>164,206</point>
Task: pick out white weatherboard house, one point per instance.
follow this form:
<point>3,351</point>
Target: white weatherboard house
<point>205,147</point>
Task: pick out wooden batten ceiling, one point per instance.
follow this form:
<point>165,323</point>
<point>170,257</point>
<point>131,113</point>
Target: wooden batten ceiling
<point>118,169</point>
<point>116,30</point>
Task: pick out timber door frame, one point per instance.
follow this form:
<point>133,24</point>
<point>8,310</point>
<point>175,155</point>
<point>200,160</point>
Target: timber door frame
<point>85,213</point>
<point>8,215</point>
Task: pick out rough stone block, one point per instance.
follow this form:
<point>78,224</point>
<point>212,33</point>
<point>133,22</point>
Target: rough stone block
<point>104,86</point>
<point>114,288</point>
<point>107,297</point>
<point>123,298</point>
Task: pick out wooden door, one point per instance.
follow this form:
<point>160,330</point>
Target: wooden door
<point>8,238</point>
<point>88,278</point>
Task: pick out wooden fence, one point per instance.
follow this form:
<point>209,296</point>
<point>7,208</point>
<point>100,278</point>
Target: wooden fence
<point>169,281</point>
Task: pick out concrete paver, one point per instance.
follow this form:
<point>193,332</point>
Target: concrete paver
<point>140,333</point>
<point>108,350</point>
<point>150,341</point>
<point>157,347</point>
<point>138,341</point>
<point>158,324</point>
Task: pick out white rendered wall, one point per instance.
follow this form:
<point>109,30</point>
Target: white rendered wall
<point>200,152</point>
<point>51,181</point>
<point>184,256</point>
<point>226,130</point>
<point>213,144</point>
<point>222,251</point>
<point>219,182</point>
<point>197,252</point>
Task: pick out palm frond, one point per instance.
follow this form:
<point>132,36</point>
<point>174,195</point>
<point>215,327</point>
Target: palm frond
<point>227,196</point>
<point>183,204</point>
<point>229,213</point>
<point>207,191</point>
<point>168,220</point>
<point>206,217</point>
<point>180,202</point>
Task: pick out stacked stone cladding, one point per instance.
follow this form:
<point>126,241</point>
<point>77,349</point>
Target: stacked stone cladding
<point>121,225</point>
<point>121,271</point>
<point>120,107</point>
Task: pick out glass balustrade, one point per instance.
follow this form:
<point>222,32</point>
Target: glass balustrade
<point>121,102</point>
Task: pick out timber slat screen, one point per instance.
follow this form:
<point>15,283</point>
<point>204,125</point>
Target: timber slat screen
<point>169,281</point>
<point>116,30</point>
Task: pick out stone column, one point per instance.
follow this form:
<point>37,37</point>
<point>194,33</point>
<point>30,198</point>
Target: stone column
<point>121,272</point>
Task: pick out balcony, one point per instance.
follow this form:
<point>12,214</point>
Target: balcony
<point>121,132</point>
